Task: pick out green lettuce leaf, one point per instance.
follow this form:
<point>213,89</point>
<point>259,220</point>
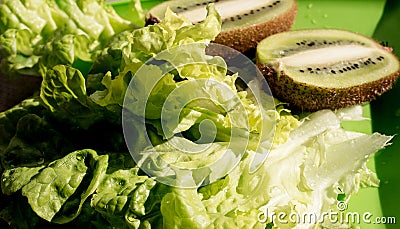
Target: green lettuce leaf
<point>10,117</point>
<point>121,196</point>
<point>17,53</point>
<point>34,143</point>
<point>38,34</point>
<point>142,44</point>
<point>305,174</point>
<point>182,208</point>
<point>63,49</point>
<point>16,178</point>
<point>56,187</point>
<point>63,92</point>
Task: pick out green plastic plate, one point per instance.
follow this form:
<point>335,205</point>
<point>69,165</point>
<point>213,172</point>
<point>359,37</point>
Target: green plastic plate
<point>374,18</point>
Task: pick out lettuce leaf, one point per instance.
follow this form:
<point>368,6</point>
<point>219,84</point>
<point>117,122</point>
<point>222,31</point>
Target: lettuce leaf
<point>318,162</point>
<point>63,92</point>
<point>39,34</point>
<point>16,178</point>
<point>34,143</point>
<point>142,44</point>
<point>182,208</point>
<point>110,183</point>
<point>121,196</point>
<point>10,117</point>
<point>53,189</point>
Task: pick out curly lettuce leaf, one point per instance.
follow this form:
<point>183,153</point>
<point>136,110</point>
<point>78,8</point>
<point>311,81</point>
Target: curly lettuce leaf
<point>18,214</point>
<point>39,34</point>
<point>34,143</point>
<point>63,92</point>
<point>10,117</point>
<point>17,53</point>
<point>307,173</point>
<point>182,208</point>
<point>144,43</point>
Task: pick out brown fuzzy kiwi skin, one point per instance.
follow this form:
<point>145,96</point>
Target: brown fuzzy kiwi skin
<point>245,39</point>
<point>311,98</point>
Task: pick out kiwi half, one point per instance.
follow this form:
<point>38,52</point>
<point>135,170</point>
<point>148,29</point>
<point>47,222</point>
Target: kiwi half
<point>326,68</point>
<point>244,23</point>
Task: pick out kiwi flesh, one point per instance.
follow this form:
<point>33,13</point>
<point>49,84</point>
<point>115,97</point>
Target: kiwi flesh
<point>244,23</point>
<point>315,69</point>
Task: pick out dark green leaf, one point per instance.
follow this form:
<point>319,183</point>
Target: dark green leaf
<point>59,186</point>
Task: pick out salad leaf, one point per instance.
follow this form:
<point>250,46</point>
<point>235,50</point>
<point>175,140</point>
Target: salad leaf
<point>54,187</point>
<point>10,117</point>
<point>17,52</point>
<point>34,143</point>
<point>182,208</point>
<point>16,178</point>
<point>39,34</point>
<point>296,178</point>
<point>58,192</point>
<point>63,92</point>
<point>142,44</point>
<point>121,196</point>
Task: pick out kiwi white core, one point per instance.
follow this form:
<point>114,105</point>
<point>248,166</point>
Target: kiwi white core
<point>331,67</point>
<point>328,55</point>
<point>226,9</point>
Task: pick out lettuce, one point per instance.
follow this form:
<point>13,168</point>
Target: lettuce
<point>52,189</point>
<point>64,93</point>
<point>304,175</point>
<point>130,52</point>
<point>58,192</point>
<point>39,34</point>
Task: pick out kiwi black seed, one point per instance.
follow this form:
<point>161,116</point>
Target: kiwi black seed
<point>244,23</point>
<point>317,69</point>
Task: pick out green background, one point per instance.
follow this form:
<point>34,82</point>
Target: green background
<point>379,19</point>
